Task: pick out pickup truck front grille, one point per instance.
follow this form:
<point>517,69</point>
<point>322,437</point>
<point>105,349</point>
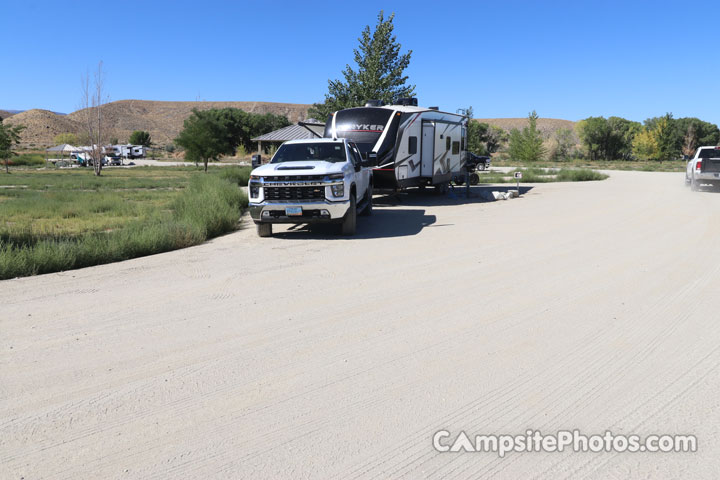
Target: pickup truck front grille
<point>281,194</point>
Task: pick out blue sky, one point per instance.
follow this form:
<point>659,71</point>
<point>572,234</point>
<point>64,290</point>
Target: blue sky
<point>564,59</point>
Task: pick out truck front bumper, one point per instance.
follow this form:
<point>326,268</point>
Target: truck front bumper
<point>312,212</point>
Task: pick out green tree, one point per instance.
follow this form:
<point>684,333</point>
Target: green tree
<point>204,137</point>
<point>607,139</point>
<point>562,145</point>
<point>379,74</point>
<point>140,137</point>
<point>495,138</point>
<point>9,138</point>
<point>527,144</point>
<point>476,135</point>
<point>69,138</point>
<point>645,145</point>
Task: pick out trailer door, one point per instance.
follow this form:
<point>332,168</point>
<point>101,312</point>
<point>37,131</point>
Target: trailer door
<point>427,150</point>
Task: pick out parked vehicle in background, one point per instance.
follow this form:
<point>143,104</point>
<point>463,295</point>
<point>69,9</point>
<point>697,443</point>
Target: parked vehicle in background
<point>478,162</point>
<point>312,181</point>
<point>415,146</point>
<point>703,168</point>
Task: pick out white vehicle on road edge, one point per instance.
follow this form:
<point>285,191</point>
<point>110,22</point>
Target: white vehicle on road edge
<point>319,180</point>
<point>703,168</point>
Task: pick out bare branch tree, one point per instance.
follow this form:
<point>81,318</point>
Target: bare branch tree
<point>92,102</point>
<point>689,141</point>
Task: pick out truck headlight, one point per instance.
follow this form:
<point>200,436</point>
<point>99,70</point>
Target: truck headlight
<point>254,191</point>
<point>338,190</point>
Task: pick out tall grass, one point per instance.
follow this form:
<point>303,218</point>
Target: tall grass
<point>210,206</point>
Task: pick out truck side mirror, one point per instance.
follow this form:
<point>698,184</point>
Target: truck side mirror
<point>371,159</point>
<point>256,160</point>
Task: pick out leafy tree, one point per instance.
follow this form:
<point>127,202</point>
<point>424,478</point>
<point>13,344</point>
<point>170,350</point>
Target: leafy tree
<point>666,137</point>
<point>607,139</point>
<point>476,134</point>
<point>562,145</point>
<point>705,133</point>
<point>379,74</point>
<point>645,145</point>
<point>9,137</point>
<point>114,141</point>
<point>204,137</point>
<point>69,138</point>
<point>495,138</point>
<point>527,144</point>
<point>140,137</point>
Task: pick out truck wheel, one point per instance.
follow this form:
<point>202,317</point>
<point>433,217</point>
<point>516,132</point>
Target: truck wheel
<point>367,211</point>
<point>694,186</point>
<point>474,179</point>
<point>687,181</point>
<point>264,229</point>
<point>480,167</point>
<point>350,221</point>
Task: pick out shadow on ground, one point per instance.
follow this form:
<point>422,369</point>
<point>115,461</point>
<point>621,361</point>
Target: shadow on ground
<point>455,196</point>
<point>397,222</point>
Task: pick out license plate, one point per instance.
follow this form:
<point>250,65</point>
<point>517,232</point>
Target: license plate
<point>293,211</point>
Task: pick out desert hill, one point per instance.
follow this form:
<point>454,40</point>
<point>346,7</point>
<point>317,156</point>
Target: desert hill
<point>163,120</point>
<point>41,126</point>
<point>548,126</point>
<point>5,114</point>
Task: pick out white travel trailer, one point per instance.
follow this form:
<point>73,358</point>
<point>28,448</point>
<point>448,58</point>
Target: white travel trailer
<point>126,151</point>
<point>413,146</point>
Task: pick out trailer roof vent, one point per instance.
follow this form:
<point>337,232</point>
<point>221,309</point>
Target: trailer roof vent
<point>374,103</point>
<point>433,108</point>
<point>407,101</point>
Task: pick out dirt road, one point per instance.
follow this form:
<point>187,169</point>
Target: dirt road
<point>579,306</point>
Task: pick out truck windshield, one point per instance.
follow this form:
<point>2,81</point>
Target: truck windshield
<point>303,152</point>
<point>710,153</point>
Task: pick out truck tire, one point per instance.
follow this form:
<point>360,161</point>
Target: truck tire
<point>474,179</point>
<point>694,186</point>
<point>687,181</point>
<point>367,211</point>
<point>349,222</point>
<point>264,229</point>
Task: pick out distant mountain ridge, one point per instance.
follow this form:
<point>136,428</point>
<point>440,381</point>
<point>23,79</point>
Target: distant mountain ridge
<point>164,119</point>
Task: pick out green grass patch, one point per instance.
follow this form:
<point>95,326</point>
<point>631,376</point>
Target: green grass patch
<point>54,220</point>
<point>26,160</point>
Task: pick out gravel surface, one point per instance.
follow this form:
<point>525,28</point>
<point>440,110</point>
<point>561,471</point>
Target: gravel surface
<point>589,306</point>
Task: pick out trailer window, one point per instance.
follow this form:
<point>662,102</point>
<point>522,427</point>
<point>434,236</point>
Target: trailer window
<point>412,145</point>
<point>455,148</point>
<point>448,140</point>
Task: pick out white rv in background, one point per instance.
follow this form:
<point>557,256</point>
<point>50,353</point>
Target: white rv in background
<point>125,151</point>
<point>414,146</point>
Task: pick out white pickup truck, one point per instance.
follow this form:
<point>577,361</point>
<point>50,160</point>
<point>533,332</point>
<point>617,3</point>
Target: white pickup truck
<point>312,181</point>
<point>703,168</point>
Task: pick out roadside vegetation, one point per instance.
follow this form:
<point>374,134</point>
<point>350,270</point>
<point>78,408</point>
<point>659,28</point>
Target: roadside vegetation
<point>542,175</point>
<point>54,220</point>
<point>614,143</point>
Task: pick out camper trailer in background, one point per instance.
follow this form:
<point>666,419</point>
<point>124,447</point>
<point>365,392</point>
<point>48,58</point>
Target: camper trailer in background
<point>125,151</point>
<point>413,146</point>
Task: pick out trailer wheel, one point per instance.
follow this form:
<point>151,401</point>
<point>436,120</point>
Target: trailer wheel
<point>264,229</point>
<point>474,179</point>
<point>460,181</point>
<point>349,223</point>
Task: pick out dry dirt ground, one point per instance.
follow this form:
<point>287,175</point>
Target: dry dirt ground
<point>588,305</point>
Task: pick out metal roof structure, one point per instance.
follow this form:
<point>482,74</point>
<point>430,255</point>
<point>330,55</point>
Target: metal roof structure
<point>294,132</point>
